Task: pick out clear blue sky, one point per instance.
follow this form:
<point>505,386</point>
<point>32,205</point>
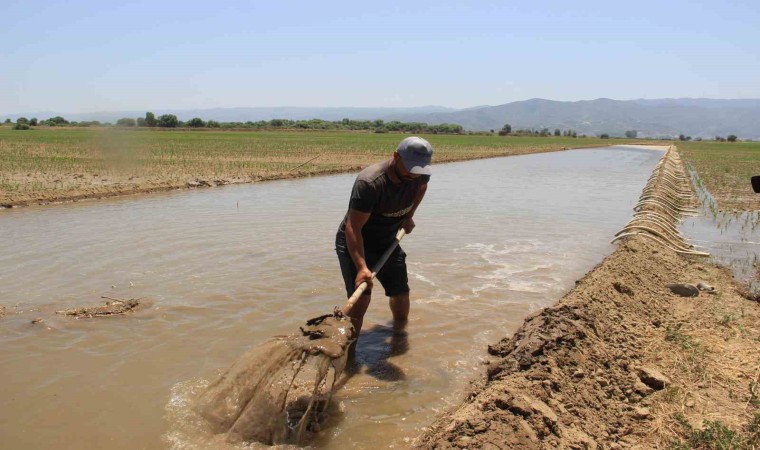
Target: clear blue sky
<point>81,56</point>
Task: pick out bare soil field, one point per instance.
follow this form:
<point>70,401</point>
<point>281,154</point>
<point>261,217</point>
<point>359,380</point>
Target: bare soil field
<point>621,362</point>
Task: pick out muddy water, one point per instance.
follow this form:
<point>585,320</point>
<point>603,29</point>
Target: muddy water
<point>226,268</point>
<point>731,238</point>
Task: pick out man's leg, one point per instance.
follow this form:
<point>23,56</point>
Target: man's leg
<point>400,307</point>
<point>348,271</point>
<point>357,312</point>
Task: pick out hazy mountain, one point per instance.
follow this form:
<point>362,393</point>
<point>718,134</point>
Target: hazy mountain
<point>661,117</point>
<point>655,118</point>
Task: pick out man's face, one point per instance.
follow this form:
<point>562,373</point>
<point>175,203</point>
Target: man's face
<point>401,171</point>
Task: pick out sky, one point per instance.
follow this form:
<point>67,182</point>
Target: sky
<point>86,56</point>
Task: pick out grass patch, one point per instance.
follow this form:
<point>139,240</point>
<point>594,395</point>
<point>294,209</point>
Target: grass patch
<point>725,168</point>
<point>714,436</point>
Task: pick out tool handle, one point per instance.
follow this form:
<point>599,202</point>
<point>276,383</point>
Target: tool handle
<point>378,265</point>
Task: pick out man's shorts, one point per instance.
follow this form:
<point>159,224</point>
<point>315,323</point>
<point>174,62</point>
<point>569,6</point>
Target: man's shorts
<point>392,276</point>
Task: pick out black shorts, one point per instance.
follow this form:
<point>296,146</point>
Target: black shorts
<point>392,276</point>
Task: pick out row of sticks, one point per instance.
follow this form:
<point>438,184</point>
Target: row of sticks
<point>665,201</point>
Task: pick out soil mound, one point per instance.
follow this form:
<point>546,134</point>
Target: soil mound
<point>620,362</point>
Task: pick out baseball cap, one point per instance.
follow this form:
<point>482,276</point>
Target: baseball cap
<point>416,154</point>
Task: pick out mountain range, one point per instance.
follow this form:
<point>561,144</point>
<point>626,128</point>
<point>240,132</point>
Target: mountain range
<point>696,117</point>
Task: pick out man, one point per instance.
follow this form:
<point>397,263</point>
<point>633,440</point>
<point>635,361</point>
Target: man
<point>384,198</point>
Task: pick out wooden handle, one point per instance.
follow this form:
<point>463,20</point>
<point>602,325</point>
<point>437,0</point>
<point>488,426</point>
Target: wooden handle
<point>378,265</point>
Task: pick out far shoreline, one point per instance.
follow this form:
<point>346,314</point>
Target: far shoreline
<point>93,189</point>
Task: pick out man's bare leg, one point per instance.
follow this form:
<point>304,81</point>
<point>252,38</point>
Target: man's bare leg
<point>357,312</point>
<point>400,307</point>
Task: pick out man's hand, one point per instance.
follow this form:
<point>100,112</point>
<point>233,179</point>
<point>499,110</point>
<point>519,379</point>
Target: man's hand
<point>408,225</point>
<point>364,275</point>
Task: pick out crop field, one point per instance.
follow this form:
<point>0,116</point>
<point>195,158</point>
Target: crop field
<point>726,168</point>
<point>48,164</point>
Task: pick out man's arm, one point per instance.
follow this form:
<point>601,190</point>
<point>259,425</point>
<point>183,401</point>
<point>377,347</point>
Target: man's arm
<point>355,241</point>
<point>408,224</point>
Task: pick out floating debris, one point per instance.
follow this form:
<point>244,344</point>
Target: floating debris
<point>113,307</point>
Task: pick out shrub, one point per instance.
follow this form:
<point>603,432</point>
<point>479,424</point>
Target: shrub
<point>167,121</point>
<point>21,126</point>
<point>196,123</point>
<point>126,122</point>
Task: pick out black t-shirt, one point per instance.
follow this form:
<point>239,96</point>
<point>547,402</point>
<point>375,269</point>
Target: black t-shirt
<point>388,204</point>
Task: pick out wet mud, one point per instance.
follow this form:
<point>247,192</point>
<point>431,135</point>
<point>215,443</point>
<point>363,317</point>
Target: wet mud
<point>278,392</point>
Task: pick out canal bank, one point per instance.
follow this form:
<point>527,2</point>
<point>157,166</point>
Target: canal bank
<point>621,361</point>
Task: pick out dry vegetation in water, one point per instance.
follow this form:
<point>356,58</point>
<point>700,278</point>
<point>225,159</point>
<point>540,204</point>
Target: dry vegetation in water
<point>726,168</point>
<point>48,165</point>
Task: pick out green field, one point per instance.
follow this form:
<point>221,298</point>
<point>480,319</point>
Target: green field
<point>726,169</point>
<point>46,164</point>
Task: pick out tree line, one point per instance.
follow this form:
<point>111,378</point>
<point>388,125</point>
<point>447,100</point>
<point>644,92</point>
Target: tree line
<point>171,121</point>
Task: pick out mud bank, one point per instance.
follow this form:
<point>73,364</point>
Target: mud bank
<point>95,189</point>
<point>619,362</point>
<point>90,186</point>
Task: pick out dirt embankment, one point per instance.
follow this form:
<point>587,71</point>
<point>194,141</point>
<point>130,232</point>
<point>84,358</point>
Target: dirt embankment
<point>621,362</point>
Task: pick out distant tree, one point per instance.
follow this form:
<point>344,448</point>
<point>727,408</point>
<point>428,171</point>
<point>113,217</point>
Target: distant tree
<point>150,119</point>
<point>196,122</point>
<point>492,131</point>
<point>57,120</point>
<point>681,137</point>
<point>212,124</point>
<point>21,120</point>
<point>698,139</point>
<point>731,138</point>
<point>544,132</point>
<point>557,132</point>
<point>33,121</point>
<point>575,135</point>
<point>141,122</point>
<point>21,126</point>
<point>720,139</point>
<point>126,122</point>
<point>505,130</point>
<point>7,121</point>
<point>167,121</point>
<point>631,134</point>
<point>605,136</point>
